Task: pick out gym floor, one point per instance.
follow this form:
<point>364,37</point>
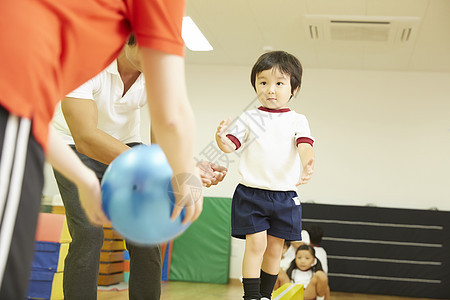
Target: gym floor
<point>178,290</point>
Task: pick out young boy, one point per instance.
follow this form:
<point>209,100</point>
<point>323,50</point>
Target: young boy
<point>275,140</point>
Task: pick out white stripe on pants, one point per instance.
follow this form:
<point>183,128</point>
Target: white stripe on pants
<point>13,159</point>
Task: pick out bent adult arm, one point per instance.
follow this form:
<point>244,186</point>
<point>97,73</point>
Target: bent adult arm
<point>65,161</point>
<point>82,116</point>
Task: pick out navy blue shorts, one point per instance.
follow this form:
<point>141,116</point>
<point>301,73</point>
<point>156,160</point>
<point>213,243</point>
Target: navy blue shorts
<point>254,210</point>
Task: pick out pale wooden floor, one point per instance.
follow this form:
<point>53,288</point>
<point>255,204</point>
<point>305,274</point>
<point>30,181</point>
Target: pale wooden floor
<point>178,290</point>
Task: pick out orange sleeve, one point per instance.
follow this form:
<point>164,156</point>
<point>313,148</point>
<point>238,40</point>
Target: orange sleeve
<point>157,24</point>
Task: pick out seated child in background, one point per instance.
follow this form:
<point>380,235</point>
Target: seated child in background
<point>315,236</point>
<point>290,248</point>
<point>306,269</point>
<point>288,254</point>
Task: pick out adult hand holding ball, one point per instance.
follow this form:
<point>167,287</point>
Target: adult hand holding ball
<point>138,198</point>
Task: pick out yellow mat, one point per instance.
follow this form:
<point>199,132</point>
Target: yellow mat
<point>289,291</point>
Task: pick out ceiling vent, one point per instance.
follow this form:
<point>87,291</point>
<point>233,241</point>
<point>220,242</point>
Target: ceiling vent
<point>361,29</point>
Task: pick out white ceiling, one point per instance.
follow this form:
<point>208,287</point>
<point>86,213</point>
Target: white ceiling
<point>241,30</point>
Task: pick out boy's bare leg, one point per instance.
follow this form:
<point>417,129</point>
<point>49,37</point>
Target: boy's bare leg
<point>255,246</point>
<point>270,266</point>
<point>272,255</point>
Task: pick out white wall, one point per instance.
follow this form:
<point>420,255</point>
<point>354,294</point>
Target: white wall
<point>382,138</point>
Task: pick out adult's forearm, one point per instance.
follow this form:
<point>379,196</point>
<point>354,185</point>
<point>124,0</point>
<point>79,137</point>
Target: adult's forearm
<point>63,159</point>
<point>176,136</point>
<point>172,118</point>
<point>100,146</point>
<point>66,162</point>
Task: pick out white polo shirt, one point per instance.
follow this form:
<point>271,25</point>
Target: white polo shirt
<point>268,140</point>
<point>118,116</point>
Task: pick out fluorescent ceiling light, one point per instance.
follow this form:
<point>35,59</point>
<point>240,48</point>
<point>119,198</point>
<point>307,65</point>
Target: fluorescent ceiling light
<point>192,36</point>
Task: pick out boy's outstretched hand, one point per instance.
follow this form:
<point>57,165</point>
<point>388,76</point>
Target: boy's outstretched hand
<point>222,129</point>
<point>307,172</point>
<point>224,143</point>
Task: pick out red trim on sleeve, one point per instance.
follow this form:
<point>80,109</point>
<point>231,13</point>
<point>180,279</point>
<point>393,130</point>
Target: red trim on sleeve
<point>234,140</point>
<point>305,140</point>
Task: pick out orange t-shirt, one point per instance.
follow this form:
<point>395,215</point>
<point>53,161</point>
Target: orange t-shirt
<point>50,47</point>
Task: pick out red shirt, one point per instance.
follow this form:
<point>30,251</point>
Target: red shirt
<point>49,48</point>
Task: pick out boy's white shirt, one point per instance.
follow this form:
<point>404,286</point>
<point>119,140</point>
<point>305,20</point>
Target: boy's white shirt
<point>118,116</point>
<point>268,155</point>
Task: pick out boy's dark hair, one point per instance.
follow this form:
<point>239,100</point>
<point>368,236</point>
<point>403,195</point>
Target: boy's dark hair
<point>283,61</point>
<point>293,265</point>
<point>315,233</point>
<point>132,40</point>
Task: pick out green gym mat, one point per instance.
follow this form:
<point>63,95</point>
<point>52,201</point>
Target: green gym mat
<point>202,253</point>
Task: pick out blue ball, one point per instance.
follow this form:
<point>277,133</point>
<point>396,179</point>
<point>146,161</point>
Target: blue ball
<point>137,196</point>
